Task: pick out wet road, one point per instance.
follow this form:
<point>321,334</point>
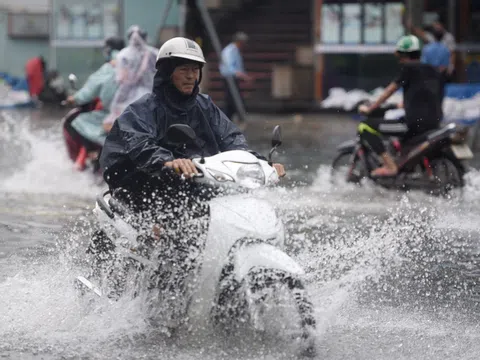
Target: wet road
<point>392,275</point>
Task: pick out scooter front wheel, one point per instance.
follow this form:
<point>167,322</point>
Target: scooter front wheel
<point>278,302</point>
<point>346,168</point>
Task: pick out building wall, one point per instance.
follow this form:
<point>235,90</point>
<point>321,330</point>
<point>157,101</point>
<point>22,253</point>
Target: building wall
<point>149,16</point>
<point>82,61</point>
<point>15,52</point>
<point>30,5</point>
<point>367,66</point>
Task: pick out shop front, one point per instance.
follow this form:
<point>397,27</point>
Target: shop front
<point>355,40</point>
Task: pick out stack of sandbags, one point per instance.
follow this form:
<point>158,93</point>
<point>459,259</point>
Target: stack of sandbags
<point>462,109</point>
<point>340,99</point>
<point>10,98</point>
<point>454,109</point>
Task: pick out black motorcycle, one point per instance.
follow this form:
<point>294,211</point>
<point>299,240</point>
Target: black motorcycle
<point>433,162</point>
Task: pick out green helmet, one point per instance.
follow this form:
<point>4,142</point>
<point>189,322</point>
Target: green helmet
<point>408,44</point>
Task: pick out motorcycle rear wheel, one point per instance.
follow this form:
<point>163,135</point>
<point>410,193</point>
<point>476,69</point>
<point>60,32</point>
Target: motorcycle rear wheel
<point>448,176</point>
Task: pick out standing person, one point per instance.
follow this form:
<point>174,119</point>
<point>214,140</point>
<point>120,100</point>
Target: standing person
<point>35,70</point>
<point>438,55</point>
<point>446,38</point>
<point>232,66</point>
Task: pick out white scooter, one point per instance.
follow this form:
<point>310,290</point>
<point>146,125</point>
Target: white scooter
<point>245,277</point>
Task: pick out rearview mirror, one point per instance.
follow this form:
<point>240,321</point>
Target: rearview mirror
<point>277,136</point>
<point>180,134</point>
<point>72,78</point>
<point>276,141</point>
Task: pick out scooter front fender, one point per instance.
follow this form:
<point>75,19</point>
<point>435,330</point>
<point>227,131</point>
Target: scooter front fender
<point>347,146</point>
<point>263,255</point>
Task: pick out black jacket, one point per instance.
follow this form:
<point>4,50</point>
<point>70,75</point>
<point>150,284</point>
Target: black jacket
<point>136,143</point>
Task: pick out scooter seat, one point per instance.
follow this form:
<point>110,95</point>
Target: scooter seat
<point>418,139</point>
<point>415,140</point>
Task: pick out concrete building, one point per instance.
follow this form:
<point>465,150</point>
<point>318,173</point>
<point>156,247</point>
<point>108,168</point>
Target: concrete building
<point>354,41</point>
<point>30,28</point>
<point>297,50</point>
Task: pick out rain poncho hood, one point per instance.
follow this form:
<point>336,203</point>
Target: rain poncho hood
<point>137,146</point>
<point>135,67</point>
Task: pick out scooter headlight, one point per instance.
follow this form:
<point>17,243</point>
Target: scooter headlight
<point>273,178</point>
<point>251,175</point>
<point>219,176</point>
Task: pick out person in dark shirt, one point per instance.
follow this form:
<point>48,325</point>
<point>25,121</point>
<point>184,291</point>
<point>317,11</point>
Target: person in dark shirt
<point>422,100</point>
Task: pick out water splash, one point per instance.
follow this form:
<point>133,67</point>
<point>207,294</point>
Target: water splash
<point>44,167</point>
<point>356,244</point>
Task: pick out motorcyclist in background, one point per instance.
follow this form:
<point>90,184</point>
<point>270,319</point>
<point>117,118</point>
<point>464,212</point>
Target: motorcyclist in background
<point>135,68</point>
<point>422,100</point>
<point>88,126</point>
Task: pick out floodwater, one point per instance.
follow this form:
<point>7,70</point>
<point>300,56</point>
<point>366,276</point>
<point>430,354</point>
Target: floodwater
<point>391,275</point>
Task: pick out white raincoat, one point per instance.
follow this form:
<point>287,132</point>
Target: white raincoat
<point>135,69</point>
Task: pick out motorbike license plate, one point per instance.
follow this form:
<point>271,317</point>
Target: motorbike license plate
<point>462,152</point>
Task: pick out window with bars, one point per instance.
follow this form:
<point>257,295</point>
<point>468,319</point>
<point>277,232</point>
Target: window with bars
<point>352,22</point>
<point>87,20</point>
<point>28,26</point>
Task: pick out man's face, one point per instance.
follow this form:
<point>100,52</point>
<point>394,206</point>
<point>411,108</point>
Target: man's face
<point>241,44</point>
<point>437,26</point>
<point>401,58</point>
<point>185,76</point>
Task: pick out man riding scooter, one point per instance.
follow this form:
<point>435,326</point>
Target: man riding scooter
<point>87,128</point>
<point>140,162</point>
<point>422,100</point>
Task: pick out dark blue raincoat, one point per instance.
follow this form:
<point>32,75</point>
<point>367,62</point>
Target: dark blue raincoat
<point>136,145</point>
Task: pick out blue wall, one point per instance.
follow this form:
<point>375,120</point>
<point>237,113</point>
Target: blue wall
<point>15,53</point>
<point>145,13</point>
<point>148,14</point>
<point>82,61</point>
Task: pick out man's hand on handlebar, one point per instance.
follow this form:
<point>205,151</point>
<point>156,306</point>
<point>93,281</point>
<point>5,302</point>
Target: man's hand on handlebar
<point>280,169</point>
<point>364,109</point>
<point>70,100</point>
<point>183,167</point>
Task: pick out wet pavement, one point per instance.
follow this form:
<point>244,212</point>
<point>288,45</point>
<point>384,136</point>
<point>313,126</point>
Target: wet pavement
<point>392,275</point>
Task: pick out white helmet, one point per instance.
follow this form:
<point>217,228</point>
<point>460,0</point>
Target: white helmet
<point>180,47</point>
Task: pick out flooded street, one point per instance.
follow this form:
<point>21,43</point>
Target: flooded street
<point>392,275</point>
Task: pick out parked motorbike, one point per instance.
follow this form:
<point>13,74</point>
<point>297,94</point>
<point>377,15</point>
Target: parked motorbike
<point>244,277</point>
<point>433,162</point>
